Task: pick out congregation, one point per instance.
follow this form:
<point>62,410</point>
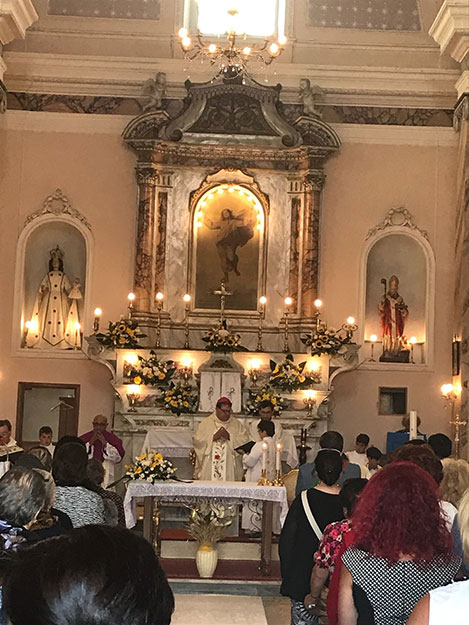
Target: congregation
<point>369,539</point>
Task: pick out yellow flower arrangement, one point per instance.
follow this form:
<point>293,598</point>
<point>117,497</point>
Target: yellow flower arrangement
<point>150,467</point>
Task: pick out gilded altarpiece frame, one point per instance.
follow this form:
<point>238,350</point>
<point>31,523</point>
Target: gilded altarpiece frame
<point>221,248</point>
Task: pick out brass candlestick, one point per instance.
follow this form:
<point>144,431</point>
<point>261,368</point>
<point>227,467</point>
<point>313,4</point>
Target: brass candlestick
<point>159,308</point>
<point>277,481</point>
<point>187,300</point>
<point>263,481</point>
<point>132,398</point>
<point>261,311</point>
<point>288,303</point>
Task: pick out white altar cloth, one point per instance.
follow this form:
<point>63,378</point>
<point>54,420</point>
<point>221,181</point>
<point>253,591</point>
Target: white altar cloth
<point>190,492</point>
<point>170,443</point>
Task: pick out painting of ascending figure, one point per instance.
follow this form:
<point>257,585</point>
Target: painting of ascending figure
<point>227,237</point>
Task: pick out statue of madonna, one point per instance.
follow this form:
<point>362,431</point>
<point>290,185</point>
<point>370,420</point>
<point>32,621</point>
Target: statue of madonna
<point>55,320</point>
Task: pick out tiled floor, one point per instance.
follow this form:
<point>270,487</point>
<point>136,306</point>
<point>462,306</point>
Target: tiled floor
<point>230,610</point>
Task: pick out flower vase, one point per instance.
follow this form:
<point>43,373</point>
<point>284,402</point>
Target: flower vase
<point>206,559</point>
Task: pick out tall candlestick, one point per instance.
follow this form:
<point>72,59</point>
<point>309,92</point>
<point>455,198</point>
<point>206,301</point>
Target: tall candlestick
<point>278,449</point>
<point>412,425</point>
<point>187,307</point>
<point>261,310</point>
<point>131,298</point>
<point>159,308</point>
<point>288,302</point>
<point>97,317</point>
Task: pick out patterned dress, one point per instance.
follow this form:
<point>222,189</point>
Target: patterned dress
<point>326,555</point>
<point>386,594</point>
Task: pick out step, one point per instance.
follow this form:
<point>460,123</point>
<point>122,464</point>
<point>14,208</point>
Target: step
<point>227,550</point>
<point>239,576</point>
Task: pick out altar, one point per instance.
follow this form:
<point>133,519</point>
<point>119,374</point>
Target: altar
<point>193,493</point>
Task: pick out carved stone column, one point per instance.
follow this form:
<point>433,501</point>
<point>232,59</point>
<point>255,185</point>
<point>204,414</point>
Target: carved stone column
<point>296,193</point>
<point>144,251</point>
<point>313,182</point>
<point>164,187</point>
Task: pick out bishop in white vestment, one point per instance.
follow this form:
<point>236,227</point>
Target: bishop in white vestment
<point>215,443</point>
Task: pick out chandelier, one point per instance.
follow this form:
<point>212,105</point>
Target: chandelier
<point>232,56</point>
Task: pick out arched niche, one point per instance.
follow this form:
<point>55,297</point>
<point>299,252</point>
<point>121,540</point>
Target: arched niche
<point>396,247</point>
<point>229,220</point>
<point>56,224</point>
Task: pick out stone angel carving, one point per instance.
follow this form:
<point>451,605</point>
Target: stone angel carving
<point>312,98</point>
<point>155,90</point>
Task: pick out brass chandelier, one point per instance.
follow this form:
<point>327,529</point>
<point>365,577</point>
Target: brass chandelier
<point>232,56</point>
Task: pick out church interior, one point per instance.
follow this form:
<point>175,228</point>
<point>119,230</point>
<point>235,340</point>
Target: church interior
<point>258,201</point>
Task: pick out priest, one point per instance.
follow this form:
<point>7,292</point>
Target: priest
<point>103,446</point>
<point>289,451</point>
<point>9,449</point>
<point>215,443</point>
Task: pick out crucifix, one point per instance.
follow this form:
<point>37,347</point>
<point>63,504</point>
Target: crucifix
<point>223,294</point>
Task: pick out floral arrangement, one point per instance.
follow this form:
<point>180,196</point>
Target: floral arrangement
<point>290,377</point>
<point>152,371</point>
<point>324,340</point>
<point>150,467</point>
<point>222,340</point>
<point>208,522</point>
<point>121,334</point>
<point>179,398</point>
<point>266,393</point>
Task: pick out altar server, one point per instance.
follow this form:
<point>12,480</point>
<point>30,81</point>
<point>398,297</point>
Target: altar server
<point>262,454</point>
<point>289,451</point>
<point>215,443</point>
<point>104,446</point>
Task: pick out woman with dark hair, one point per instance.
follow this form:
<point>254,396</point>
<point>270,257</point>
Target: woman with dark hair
<point>95,575</point>
<point>113,504</point>
<point>401,548</point>
<point>307,518</point>
<point>74,493</point>
<point>330,549</point>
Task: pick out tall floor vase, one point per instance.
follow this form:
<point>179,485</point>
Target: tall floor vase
<point>206,560</point>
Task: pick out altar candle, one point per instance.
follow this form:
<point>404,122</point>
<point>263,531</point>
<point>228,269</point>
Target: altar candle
<point>278,465</point>
<point>264,456</point>
<point>413,425</point>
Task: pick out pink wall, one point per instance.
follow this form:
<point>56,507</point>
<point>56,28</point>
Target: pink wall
<point>95,170</point>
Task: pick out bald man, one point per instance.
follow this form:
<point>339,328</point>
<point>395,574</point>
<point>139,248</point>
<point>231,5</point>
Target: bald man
<point>104,446</point>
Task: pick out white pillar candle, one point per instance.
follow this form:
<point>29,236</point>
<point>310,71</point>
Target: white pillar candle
<point>412,425</point>
<point>264,456</point>
<point>278,465</point>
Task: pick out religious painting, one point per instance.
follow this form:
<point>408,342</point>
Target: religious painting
<point>396,292</point>
<point>228,243</point>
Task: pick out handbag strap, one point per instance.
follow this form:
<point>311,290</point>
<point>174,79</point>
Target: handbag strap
<point>309,514</point>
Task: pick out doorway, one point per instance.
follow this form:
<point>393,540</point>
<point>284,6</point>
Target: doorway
<point>55,405</point>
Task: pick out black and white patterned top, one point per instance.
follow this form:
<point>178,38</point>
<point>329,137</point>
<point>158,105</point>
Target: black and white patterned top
<point>83,506</point>
<point>387,594</point>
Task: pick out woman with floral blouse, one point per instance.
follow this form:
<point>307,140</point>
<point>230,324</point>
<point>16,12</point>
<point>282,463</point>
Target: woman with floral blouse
<point>331,544</point>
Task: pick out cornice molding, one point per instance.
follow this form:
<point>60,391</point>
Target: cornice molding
<point>16,16</point>
<point>451,29</point>
<point>124,77</point>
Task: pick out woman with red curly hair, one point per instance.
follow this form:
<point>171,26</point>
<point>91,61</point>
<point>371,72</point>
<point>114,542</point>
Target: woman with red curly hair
<point>401,549</point>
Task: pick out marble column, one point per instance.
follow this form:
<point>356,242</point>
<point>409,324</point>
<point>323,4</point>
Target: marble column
<point>296,193</point>
<point>163,191</point>
<point>144,253</point>
<point>313,182</point>
<point>461,124</point>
